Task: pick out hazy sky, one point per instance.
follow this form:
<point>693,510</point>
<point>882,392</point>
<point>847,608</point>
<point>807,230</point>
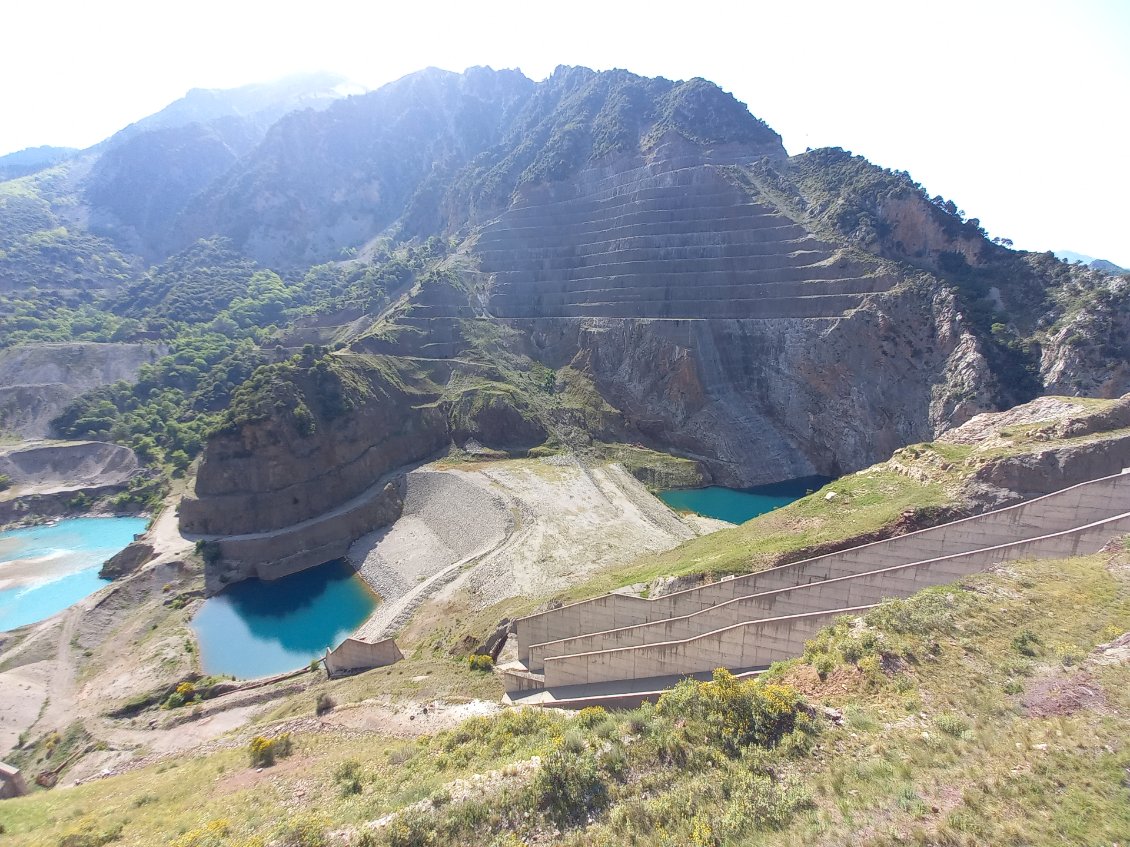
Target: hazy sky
<point>1018,111</point>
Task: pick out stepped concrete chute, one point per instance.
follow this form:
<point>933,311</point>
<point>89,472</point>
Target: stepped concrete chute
<point>752,644</point>
<point>854,590</point>
<point>1078,505</point>
<point>751,621</point>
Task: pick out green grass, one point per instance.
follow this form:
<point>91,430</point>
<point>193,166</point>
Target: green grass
<point>864,503</point>
<point>937,746</point>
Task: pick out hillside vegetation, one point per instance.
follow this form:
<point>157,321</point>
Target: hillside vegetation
<point>993,711</point>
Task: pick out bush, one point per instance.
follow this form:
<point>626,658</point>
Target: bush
<point>759,801</point>
<point>348,776</point>
<point>734,713</point>
<point>411,828</point>
<point>324,704</point>
<point>480,662</point>
<point>1027,643</point>
<point>303,831</point>
<point>264,751</point>
<point>590,716</point>
<point>954,725</point>
<point>569,787</point>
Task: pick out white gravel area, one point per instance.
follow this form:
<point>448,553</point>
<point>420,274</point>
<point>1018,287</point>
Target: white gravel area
<point>447,520</point>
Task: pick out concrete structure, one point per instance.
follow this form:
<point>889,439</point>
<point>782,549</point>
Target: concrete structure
<point>748,622</point>
<point>358,654</point>
<point>11,782</point>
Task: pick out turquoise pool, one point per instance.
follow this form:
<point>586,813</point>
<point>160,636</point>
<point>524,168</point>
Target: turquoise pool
<point>737,505</point>
<point>257,628</point>
<point>45,569</point>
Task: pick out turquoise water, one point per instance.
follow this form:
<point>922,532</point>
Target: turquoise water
<point>740,505</point>
<point>257,628</point>
<point>45,569</point>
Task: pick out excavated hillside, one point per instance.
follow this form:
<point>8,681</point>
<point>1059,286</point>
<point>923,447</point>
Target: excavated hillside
<point>589,261</point>
<point>655,295</point>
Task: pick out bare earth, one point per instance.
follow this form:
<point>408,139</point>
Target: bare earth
<point>528,527</point>
<point>472,534</point>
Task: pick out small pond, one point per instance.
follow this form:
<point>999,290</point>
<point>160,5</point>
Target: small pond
<point>738,505</point>
<point>257,628</point>
<point>45,569</point>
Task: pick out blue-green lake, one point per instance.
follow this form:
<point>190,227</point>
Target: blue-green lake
<point>45,569</point>
<point>257,628</point>
<point>738,505</point>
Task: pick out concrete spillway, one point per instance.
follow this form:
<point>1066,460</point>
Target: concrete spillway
<point>751,621</point>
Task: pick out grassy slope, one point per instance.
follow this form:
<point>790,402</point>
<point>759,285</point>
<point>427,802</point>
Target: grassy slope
<point>963,739</point>
<point>918,478</point>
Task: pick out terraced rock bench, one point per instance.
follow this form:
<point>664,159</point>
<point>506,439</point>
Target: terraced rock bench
<point>681,242</point>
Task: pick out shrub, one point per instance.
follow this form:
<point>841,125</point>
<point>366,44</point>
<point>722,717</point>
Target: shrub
<point>569,787</point>
<point>1027,643</point>
<point>324,704</point>
<point>590,716</point>
<point>928,611</point>
<point>823,664</point>
<point>264,751</point>
<point>759,801</point>
<point>735,713</point>
<point>851,650</point>
<point>480,662</point>
<point>213,834</point>
<point>954,725</point>
<point>303,831</point>
<point>348,776</point>
<point>412,828</point>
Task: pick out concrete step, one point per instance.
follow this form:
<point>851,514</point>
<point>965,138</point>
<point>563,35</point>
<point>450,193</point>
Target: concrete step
<point>569,256</point>
<point>546,301</point>
<point>714,195</point>
<point>602,230</point>
<point>771,269</point>
<point>652,261</point>
<point>617,694</point>
<point>854,590</point>
<point>670,207</point>
<point>733,242</point>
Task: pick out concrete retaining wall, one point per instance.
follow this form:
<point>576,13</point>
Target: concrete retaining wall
<point>356,654</point>
<point>841,592</point>
<point>747,645</point>
<point>1080,504</point>
<point>12,782</point>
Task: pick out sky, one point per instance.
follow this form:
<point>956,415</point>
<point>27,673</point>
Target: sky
<point>1017,111</point>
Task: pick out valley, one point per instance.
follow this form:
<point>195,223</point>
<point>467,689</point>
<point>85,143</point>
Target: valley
<point>415,367</point>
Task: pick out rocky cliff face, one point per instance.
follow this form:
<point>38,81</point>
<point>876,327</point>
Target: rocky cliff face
<point>265,475</point>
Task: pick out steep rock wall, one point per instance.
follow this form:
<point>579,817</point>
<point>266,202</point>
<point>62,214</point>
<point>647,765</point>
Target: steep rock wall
<point>265,476</point>
<point>763,400</point>
<point>37,381</point>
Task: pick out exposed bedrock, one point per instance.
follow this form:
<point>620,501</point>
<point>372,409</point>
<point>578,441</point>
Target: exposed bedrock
<point>267,476</point>
<point>46,476</point>
<point>763,400</point>
<point>272,555</point>
<point>723,329</point>
<point>68,464</point>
